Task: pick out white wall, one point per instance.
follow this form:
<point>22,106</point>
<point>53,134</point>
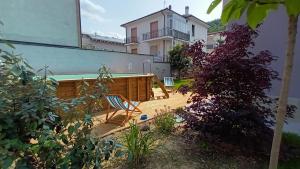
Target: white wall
<point>179,23</point>
<point>78,61</point>
<point>41,21</point>
<point>143,26</point>
<point>88,43</point>
<point>200,32</point>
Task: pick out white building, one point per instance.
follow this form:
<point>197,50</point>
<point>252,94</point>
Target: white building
<point>159,32</point>
<point>97,42</point>
<point>214,39</point>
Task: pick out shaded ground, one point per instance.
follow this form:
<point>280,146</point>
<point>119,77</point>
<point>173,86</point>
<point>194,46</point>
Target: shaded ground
<point>175,152</point>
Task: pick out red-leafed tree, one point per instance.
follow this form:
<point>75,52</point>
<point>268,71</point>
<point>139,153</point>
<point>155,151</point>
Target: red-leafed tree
<point>229,98</point>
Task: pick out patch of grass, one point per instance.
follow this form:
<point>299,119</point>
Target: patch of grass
<point>177,83</point>
<point>138,145</point>
<point>291,164</point>
<point>180,82</point>
<point>165,123</point>
<point>291,139</point>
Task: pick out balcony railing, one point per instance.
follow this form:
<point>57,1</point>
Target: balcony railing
<point>132,39</point>
<point>166,32</point>
<point>164,58</point>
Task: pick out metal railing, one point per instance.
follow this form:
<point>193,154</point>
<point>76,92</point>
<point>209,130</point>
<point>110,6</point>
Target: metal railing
<point>166,32</point>
<point>132,39</point>
<point>158,58</point>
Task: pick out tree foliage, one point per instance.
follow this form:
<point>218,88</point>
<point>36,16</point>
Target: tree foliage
<point>178,59</point>
<point>229,100</point>
<point>257,10</point>
<point>216,26</point>
<point>39,130</point>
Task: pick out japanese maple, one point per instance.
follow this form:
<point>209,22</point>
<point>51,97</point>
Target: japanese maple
<point>229,99</point>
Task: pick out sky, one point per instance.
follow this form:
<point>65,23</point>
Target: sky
<point>104,17</point>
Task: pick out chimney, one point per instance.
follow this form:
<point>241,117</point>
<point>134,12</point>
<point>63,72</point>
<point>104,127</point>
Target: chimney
<point>170,7</point>
<point>187,10</point>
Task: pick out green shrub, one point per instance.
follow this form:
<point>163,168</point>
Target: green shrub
<point>291,139</point>
<point>138,145</point>
<point>39,130</point>
<point>165,122</point>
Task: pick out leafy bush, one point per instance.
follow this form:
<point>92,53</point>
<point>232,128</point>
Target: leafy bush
<point>165,122</point>
<point>229,100</point>
<point>138,145</point>
<point>291,139</point>
<point>178,59</point>
<point>39,130</point>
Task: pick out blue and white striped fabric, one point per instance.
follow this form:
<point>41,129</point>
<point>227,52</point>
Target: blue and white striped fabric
<point>131,108</point>
<point>169,81</point>
<point>116,102</point>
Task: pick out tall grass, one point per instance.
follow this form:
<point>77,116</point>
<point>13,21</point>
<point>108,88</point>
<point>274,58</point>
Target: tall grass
<point>165,122</point>
<point>138,144</point>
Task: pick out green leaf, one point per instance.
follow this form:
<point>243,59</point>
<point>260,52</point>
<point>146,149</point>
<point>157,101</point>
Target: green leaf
<point>27,65</point>
<point>239,10</point>
<point>6,57</point>
<point>10,45</point>
<point>7,163</point>
<point>229,7</point>
<point>77,125</point>
<point>233,10</point>
<point>71,129</point>
<point>293,7</point>
<point>213,5</point>
<point>64,139</point>
<point>35,148</point>
<point>16,70</point>
<point>257,13</point>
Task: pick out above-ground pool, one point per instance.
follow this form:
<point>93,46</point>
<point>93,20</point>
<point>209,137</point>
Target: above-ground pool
<point>132,86</point>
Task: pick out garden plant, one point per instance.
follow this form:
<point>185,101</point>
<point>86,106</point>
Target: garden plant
<point>257,11</point>
<point>138,145</point>
<point>165,123</point>
<point>178,59</point>
<point>229,100</point>
<point>39,130</point>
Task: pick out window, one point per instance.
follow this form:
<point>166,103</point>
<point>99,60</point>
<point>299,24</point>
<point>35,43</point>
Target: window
<point>210,46</point>
<point>133,35</point>
<point>153,50</point>
<point>134,51</point>
<point>154,29</point>
<point>193,30</point>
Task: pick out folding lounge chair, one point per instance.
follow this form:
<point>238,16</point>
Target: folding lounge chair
<point>118,102</point>
<point>169,83</point>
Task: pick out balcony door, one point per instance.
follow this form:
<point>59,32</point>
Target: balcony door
<point>154,50</point>
<point>154,29</point>
<point>133,35</point>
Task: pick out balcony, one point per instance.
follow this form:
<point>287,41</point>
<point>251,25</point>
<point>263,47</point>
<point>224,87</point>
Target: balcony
<point>132,40</point>
<point>161,59</point>
<point>166,32</point>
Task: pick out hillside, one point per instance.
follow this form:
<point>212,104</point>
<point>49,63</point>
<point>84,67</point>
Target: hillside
<point>215,26</point>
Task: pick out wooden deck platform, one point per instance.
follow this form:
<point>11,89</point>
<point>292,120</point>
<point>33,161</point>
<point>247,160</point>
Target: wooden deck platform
<point>175,100</point>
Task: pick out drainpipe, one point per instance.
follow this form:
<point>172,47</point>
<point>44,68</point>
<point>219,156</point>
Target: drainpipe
<point>126,39</point>
<point>164,45</point>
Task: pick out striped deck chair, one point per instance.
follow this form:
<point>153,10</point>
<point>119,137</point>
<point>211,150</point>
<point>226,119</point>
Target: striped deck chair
<point>118,102</point>
<point>169,83</point>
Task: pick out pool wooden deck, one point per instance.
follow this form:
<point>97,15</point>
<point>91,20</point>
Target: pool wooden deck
<point>150,108</point>
<point>132,86</point>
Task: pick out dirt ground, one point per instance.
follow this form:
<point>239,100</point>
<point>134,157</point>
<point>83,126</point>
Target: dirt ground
<point>175,152</point>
